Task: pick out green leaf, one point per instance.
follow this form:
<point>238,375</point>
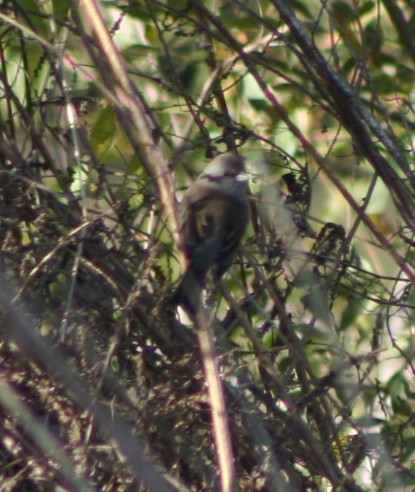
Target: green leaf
<point>401,407</point>
<point>103,132</point>
<point>343,11</point>
<point>61,9</point>
<point>349,315</point>
<point>317,303</point>
<point>136,52</point>
<point>366,7</point>
<point>36,17</point>
<point>385,84</point>
<point>270,338</point>
<point>134,164</point>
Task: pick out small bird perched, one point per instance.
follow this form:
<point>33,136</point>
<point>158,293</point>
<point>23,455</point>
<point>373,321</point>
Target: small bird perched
<point>215,213</point>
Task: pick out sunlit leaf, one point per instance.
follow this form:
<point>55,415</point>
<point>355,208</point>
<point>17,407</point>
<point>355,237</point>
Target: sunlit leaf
<point>103,132</point>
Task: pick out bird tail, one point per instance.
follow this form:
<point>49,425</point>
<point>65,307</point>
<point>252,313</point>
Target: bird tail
<point>188,293</point>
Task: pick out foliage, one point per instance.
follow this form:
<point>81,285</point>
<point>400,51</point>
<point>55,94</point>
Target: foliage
<point>101,381</point>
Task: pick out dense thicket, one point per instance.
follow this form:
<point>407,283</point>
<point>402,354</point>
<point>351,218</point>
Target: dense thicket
<point>104,122</point>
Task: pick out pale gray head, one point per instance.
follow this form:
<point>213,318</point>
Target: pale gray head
<point>226,173</point>
<point>225,165</point>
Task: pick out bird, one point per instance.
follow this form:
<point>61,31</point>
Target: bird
<point>215,214</point>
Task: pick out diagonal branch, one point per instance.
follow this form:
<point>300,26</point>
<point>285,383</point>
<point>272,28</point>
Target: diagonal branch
<point>133,116</point>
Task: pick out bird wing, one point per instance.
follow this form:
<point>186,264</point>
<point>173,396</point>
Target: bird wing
<point>213,227</point>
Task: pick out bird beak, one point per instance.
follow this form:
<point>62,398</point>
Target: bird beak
<point>242,177</point>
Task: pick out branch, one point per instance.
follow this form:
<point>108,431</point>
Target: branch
<point>357,119</point>
<point>220,422</point>
<point>136,124</point>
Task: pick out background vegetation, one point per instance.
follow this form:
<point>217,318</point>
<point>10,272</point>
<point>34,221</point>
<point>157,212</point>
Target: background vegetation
<point>101,381</point>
